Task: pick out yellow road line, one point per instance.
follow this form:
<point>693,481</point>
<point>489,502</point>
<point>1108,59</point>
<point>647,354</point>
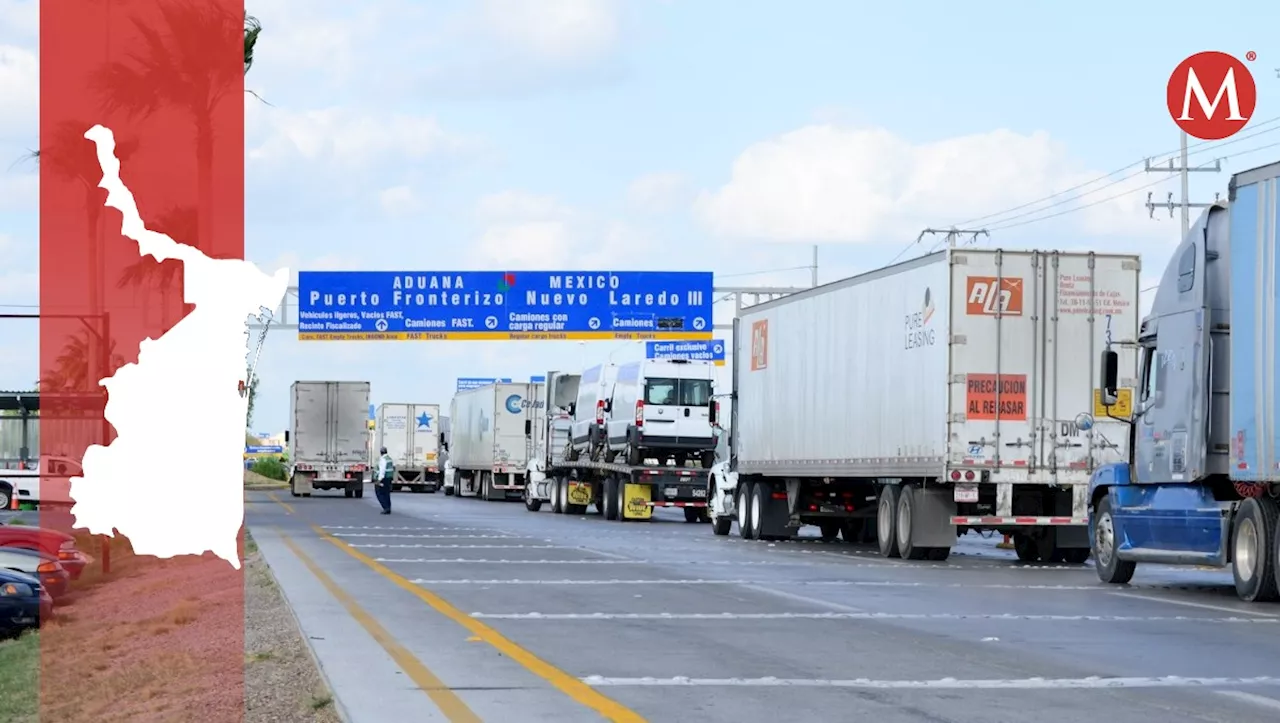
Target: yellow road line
<point>444,698</point>
<point>571,686</point>
<point>287,507</point>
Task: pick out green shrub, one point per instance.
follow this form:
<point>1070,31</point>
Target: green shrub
<point>272,468</point>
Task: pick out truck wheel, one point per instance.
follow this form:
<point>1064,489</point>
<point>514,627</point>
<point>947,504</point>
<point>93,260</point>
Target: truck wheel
<point>746,524</point>
<point>721,525</point>
<point>852,530</point>
<point>1253,546</point>
<point>633,455</point>
<point>830,530</point>
<point>693,514</point>
<point>6,497</point>
<point>907,549</point>
<point>557,495</point>
<point>887,521</point>
<point>621,497</point>
<point>1025,548</point>
<point>939,554</point>
<point>1075,555</point>
<point>531,504</point>
<point>611,498</point>
<point>360,492</point>
<point>348,493</point>
<point>1111,569</point>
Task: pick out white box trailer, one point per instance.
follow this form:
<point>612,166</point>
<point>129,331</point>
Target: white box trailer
<point>328,437</point>
<point>411,435</point>
<point>495,431</point>
<point>930,398</point>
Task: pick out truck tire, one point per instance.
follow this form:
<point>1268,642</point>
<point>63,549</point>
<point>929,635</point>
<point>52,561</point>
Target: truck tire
<point>1025,548</point>
<point>621,497</point>
<point>610,496</point>
<point>557,495</point>
<point>633,455</point>
<point>530,503</point>
<point>348,493</point>
<point>905,525</point>
<point>693,514</point>
<point>746,525</point>
<point>721,525</point>
<point>1075,555</point>
<point>360,492</point>
<point>708,459</point>
<point>853,530</point>
<point>830,530</point>
<point>760,494</point>
<point>1253,548</point>
<point>887,521</point>
<point>1111,569</point>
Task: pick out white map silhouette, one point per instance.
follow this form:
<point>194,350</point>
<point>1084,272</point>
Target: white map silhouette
<point>172,480</point>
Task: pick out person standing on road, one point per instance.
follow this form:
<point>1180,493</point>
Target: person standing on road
<point>382,482</point>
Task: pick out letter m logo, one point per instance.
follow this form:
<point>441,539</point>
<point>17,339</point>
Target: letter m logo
<point>1234,95</point>
<point>988,296</point>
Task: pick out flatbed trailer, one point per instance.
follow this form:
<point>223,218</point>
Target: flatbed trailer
<point>617,491</point>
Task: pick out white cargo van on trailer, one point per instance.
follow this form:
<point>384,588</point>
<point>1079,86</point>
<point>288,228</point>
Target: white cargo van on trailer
<point>411,435</point>
<point>590,411</point>
<point>495,430</point>
<point>659,410</point>
<point>930,398</point>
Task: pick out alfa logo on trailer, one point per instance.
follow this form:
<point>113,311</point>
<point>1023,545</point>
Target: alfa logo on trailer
<point>989,295</point>
<point>759,345</point>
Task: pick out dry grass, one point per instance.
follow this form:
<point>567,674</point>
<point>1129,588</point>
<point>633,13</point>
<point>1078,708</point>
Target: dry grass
<point>255,481</point>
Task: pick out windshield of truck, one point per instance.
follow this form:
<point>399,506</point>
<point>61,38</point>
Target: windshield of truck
<point>682,392</point>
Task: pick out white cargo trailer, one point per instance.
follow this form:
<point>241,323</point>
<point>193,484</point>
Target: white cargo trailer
<point>930,398</point>
<point>328,437</point>
<point>411,435</point>
<point>495,430</point>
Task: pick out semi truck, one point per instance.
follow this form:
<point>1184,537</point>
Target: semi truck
<point>571,484</point>
<point>411,435</point>
<point>494,432</point>
<point>328,437</point>
<point>1200,479</point>
<point>917,402</point>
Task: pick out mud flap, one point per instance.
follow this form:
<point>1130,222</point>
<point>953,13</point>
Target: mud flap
<point>638,498</point>
<point>579,493</point>
<point>931,526</point>
<point>774,516</point>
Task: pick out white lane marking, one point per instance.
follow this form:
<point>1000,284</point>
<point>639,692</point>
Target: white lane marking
<point>1202,606</point>
<point>465,547</point>
<point>939,684</point>
<point>803,599</point>
<point>787,583</point>
<point>404,529</point>
<point>1261,701</point>
<point>866,616</point>
<point>439,536</point>
<point>434,560</point>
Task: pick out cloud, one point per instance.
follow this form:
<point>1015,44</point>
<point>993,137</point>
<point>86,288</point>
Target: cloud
<point>344,138</point>
<point>19,87</point>
<point>529,231</point>
<point>559,31</point>
<point>659,192</point>
<point>827,183</point>
<point>399,201</point>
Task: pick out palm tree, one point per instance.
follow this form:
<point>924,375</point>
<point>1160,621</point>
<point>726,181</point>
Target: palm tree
<point>253,395</point>
<point>178,224</point>
<point>72,371</point>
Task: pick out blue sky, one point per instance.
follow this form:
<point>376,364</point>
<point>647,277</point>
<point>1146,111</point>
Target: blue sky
<point>646,134</point>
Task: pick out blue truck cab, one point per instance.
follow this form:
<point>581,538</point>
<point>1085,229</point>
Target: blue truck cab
<point>1201,482</point>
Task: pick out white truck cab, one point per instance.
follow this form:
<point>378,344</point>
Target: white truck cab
<point>660,410</point>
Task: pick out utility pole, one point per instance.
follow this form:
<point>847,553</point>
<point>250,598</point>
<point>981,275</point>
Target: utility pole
<point>1185,172</point>
<point>814,267</point>
<point>952,235</point>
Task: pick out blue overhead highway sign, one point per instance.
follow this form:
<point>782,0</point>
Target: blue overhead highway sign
<point>712,351</point>
<point>489,305</point>
<point>465,383</point>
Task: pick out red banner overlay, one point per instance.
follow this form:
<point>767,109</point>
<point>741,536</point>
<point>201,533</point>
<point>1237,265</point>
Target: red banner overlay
<point>142,638</point>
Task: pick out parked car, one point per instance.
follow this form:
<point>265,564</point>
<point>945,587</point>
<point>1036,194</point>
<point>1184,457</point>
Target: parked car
<point>51,542</point>
<point>24,603</point>
<point>39,565</point>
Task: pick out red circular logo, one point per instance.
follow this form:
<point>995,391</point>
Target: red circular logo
<point>1211,95</point>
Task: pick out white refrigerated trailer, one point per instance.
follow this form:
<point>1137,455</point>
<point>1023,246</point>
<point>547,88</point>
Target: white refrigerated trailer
<point>411,435</point>
<point>494,431</point>
<point>328,437</point>
<point>929,398</point>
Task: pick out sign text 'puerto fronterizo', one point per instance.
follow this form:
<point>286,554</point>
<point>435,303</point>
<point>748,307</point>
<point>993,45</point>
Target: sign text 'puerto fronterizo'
<point>503,305</point>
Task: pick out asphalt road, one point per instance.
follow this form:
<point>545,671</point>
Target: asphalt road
<point>463,610</point>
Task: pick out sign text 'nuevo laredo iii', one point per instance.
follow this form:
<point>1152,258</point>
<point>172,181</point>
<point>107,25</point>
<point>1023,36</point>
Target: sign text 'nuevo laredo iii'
<point>497,305</point>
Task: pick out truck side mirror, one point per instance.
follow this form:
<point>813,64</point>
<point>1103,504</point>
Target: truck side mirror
<point>712,409</point>
<point>528,427</point>
<point>573,407</point>
<point>286,436</point>
<point>1110,377</point>
<point>608,406</point>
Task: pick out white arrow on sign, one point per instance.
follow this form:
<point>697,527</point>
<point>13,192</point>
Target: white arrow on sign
<point>491,322</point>
<point>699,323</point>
<point>593,322</point>
<point>718,348</point>
<point>380,325</point>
